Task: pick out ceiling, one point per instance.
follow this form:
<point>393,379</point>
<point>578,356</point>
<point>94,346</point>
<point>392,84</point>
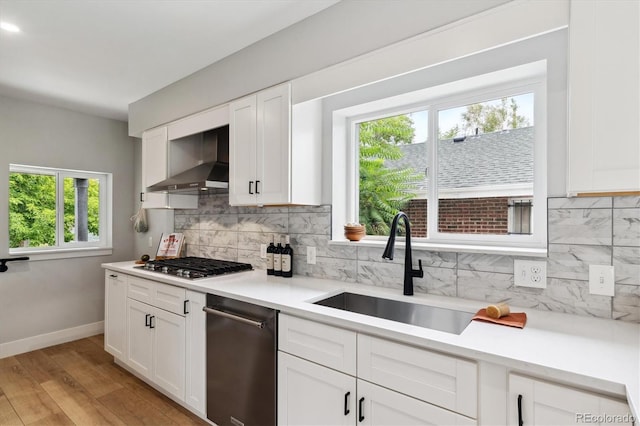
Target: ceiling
<point>97,56</point>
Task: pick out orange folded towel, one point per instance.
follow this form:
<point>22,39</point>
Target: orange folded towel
<point>513,319</point>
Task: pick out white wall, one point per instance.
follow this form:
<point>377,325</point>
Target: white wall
<point>40,297</point>
<point>338,33</point>
<point>551,47</point>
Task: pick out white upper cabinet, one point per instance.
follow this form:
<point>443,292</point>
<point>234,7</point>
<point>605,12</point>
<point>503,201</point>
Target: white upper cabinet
<point>274,150</point>
<point>604,96</point>
<point>155,168</point>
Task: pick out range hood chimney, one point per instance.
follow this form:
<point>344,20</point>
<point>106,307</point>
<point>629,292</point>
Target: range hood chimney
<point>210,174</point>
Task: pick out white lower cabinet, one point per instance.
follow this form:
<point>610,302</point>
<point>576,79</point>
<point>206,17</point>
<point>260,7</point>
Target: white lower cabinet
<point>312,392</point>
<point>380,406</point>
<point>540,403</point>
<point>157,346</point>
<point>158,331</point>
<point>115,313</point>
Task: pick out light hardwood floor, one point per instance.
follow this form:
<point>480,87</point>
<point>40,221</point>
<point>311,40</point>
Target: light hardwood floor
<point>77,383</point>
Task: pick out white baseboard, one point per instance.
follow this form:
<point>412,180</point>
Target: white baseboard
<point>49,339</point>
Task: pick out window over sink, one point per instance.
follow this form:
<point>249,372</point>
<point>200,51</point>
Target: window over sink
<point>58,210</point>
<point>477,146</point>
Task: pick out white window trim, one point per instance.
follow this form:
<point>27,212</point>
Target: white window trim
<point>72,249</point>
<point>531,78</point>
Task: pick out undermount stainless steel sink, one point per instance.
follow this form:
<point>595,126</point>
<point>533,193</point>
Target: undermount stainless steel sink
<point>442,319</point>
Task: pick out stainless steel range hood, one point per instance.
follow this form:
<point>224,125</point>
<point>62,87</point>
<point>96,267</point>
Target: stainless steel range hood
<point>207,175</point>
<point>212,171</point>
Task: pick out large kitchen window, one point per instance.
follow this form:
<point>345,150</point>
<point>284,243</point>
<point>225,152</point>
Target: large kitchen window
<point>466,161</point>
<point>53,210</point>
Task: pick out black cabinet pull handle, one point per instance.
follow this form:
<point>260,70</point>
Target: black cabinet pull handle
<point>142,197</point>
<point>151,325</point>
<point>257,182</point>
<point>346,403</point>
<point>147,323</point>
<point>520,422</point>
<point>251,187</point>
<point>184,307</point>
<point>113,276</point>
<point>361,408</point>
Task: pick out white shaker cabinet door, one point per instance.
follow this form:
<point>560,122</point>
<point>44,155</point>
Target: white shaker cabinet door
<point>604,96</point>
<point>242,151</point>
<point>540,403</point>
<point>139,337</point>
<point>274,145</point>
<point>169,351</point>
<point>310,394</point>
<point>382,407</point>
<point>115,310</point>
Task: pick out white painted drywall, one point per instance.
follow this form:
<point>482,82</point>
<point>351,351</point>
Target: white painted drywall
<point>338,33</point>
<point>40,297</point>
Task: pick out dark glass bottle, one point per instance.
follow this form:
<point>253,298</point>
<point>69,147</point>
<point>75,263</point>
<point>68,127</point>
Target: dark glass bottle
<point>287,259</point>
<point>277,260</point>
<point>271,249</point>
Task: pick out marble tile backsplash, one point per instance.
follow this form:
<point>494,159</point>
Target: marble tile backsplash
<point>582,231</point>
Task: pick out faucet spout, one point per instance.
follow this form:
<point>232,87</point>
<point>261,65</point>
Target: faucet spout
<point>409,272</point>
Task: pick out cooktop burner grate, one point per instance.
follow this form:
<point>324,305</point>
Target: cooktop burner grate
<point>195,267</point>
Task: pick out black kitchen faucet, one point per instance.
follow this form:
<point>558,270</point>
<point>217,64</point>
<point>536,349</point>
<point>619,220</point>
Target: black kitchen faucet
<point>409,272</point>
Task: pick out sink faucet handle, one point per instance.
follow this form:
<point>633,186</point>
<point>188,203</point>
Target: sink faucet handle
<point>418,272</point>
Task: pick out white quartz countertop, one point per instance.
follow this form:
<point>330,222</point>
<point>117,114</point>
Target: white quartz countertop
<point>590,352</point>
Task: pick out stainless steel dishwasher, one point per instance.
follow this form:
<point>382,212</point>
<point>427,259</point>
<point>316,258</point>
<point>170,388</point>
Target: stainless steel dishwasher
<point>241,362</point>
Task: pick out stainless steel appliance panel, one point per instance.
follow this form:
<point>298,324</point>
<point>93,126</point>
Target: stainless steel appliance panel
<point>241,362</point>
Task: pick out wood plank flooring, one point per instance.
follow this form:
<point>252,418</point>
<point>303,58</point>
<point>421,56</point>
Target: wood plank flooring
<point>77,383</point>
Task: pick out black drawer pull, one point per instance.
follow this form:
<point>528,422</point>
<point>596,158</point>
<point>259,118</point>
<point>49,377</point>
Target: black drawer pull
<point>147,323</point>
<point>184,307</point>
<point>257,182</point>
<point>151,324</point>
<point>361,409</point>
<point>346,403</point>
<point>251,187</point>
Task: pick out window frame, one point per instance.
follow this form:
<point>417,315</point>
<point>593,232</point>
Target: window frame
<point>533,79</point>
<point>74,248</point>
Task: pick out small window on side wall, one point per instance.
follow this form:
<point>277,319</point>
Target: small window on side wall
<point>56,209</point>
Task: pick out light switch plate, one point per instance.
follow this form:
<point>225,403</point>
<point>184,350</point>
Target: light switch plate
<point>601,280</point>
<point>530,273</point>
<point>263,251</point>
<point>311,255</point>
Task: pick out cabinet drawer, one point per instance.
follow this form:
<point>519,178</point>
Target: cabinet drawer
<point>441,380</point>
<point>330,346</point>
<point>170,298</point>
<point>164,296</point>
<point>140,289</point>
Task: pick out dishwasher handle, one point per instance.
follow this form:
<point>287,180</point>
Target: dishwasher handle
<point>212,311</point>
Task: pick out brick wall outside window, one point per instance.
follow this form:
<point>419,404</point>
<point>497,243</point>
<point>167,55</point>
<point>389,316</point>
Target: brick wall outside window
<point>465,215</point>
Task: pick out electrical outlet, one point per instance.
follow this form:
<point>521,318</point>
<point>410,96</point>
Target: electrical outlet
<point>530,273</point>
<point>150,242</point>
<point>601,280</point>
<point>311,255</point>
<point>263,251</point>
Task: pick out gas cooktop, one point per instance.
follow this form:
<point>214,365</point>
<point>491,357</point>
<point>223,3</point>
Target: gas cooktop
<point>195,267</point>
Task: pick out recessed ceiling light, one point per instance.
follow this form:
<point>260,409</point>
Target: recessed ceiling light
<point>8,26</point>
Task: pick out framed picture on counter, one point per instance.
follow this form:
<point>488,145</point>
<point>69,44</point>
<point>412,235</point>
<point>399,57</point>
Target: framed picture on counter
<point>170,246</point>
